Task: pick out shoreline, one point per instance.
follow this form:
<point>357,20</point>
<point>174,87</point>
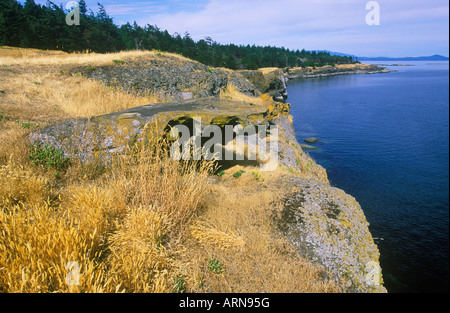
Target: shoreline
<point>310,221</point>
<point>342,69</point>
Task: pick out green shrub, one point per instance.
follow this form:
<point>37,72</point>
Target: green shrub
<point>48,157</point>
<point>238,174</point>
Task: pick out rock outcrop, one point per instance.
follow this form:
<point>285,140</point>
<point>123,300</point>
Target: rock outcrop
<point>268,80</point>
<point>100,138</point>
<point>341,69</point>
<point>329,227</point>
<point>170,77</point>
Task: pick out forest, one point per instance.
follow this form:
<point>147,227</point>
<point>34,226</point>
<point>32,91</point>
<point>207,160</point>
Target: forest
<point>31,25</point>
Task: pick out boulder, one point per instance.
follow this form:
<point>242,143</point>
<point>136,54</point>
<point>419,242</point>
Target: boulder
<point>311,140</point>
<point>307,147</point>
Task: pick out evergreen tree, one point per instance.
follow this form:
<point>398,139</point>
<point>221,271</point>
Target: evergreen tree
<point>12,20</point>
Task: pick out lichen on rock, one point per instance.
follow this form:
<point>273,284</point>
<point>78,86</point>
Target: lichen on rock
<point>329,227</point>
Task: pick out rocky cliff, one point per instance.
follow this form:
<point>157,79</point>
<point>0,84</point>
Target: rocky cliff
<point>324,223</point>
<point>268,80</point>
<point>170,77</point>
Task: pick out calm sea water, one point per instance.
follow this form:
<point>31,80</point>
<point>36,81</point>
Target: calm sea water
<point>384,139</point>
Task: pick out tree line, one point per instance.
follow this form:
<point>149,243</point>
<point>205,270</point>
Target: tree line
<point>32,25</point>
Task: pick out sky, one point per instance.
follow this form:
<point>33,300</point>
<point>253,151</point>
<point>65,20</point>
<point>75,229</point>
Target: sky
<point>406,27</point>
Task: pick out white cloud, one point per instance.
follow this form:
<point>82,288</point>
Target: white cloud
<point>312,24</point>
<point>117,9</point>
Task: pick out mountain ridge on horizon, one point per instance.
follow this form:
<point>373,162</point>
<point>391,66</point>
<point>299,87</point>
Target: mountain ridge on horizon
<point>434,57</point>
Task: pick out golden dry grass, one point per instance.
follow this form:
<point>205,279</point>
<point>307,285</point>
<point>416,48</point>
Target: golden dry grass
<point>267,70</point>
<point>149,224</point>
<point>54,95</point>
<point>33,57</point>
<point>232,93</point>
<point>237,230</point>
<point>114,233</point>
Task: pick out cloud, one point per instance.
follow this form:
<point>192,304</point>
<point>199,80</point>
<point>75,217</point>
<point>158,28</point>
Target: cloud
<point>129,8</point>
<point>314,24</point>
<point>232,19</point>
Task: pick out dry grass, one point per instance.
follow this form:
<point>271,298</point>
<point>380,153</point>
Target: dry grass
<point>33,57</point>
<point>35,248</point>
<point>267,70</point>
<point>20,185</point>
<point>118,227</point>
<point>56,95</point>
<point>237,230</point>
<point>18,53</point>
<point>149,224</point>
<point>34,87</point>
<point>232,93</point>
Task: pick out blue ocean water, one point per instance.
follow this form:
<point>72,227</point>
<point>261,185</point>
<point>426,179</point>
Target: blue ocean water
<point>384,139</point>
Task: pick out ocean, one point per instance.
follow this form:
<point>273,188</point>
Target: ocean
<point>384,139</point>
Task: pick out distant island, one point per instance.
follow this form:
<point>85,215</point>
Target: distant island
<point>435,57</point>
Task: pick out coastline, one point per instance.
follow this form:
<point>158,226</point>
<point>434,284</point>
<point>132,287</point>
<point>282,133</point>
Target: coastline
<point>342,69</point>
<point>279,218</point>
<point>323,223</point>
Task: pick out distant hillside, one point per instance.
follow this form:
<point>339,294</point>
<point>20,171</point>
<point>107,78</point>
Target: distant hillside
<point>435,57</point>
<point>337,53</point>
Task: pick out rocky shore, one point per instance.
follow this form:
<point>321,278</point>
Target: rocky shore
<point>325,224</point>
<point>328,70</point>
<point>268,80</point>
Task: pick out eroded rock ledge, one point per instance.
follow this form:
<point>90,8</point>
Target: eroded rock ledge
<point>170,77</point>
<point>268,80</point>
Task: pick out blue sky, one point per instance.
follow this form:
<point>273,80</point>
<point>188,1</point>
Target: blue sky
<point>407,27</point>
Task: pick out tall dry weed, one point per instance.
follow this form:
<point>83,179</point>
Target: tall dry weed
<point>36,246</point>
<point>175,189</point>
<point>138,261</point>
<point>18,185</point>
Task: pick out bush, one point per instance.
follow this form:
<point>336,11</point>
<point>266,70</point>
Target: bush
<point>238,174</point>
<point>48,157</point>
